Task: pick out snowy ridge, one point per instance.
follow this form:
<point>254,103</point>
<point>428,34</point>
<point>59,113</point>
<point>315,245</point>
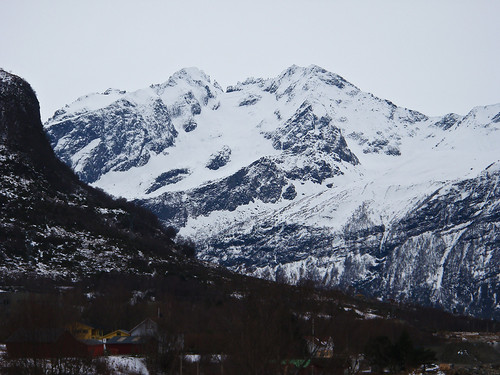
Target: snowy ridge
<point>305,175</point>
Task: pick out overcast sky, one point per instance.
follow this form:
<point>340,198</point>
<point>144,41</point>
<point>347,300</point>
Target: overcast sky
<point>433,56</point>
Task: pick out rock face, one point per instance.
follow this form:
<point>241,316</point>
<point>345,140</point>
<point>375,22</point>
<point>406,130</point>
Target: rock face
<point>52,224</point>
<point>262,180</point>
<point>119,142</point>
<point>116,131</point>
<point>305,176</point>
<point>443,252</point>
<point>219,159</point>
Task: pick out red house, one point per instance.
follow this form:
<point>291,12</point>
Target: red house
<point>95,348</point>
<point>129,345</point>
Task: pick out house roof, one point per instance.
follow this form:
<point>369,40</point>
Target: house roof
<point>120,330</point>
<point>145,321</point>
<point>113,333</point>
<point>137,340</point>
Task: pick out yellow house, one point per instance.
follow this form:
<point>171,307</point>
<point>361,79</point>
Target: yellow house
<point>117,333</point>
<point>84,332</point>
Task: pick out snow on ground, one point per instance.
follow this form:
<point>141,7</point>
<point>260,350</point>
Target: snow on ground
<point>83,154</point>
<point>434,369</point>
<point>240,129</point>
<point>90,102</point>
<point>124,365</point>
<point>119,365</point>
<point>390,185</point>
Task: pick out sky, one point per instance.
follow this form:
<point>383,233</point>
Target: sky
<point>434,56</point>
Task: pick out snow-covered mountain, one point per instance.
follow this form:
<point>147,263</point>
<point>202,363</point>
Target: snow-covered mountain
<point>54,226</point>
<point>305,175</point>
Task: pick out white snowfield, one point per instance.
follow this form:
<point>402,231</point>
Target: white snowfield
<point>428,153</point>
<point>127,365</point>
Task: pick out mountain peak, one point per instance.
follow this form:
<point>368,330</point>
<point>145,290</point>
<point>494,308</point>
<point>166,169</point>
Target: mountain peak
<point>12,85</point>
<point>306,78</point>
<point>20,125</point>
<point>188,78</point>
<point>114,91</point>
<point>309,72</point>
<point>190,74</point>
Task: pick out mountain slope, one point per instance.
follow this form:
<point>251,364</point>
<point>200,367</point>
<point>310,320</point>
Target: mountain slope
<point>53,225</point>
<point>305,175</point>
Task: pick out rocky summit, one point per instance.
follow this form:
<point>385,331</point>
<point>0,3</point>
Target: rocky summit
<point>305,176</point>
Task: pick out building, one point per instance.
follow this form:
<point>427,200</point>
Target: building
<point>116,333</point>
<point>130,345</point>
<point>95,348</point>
<point>148,327</point>
<point>84,331</point>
